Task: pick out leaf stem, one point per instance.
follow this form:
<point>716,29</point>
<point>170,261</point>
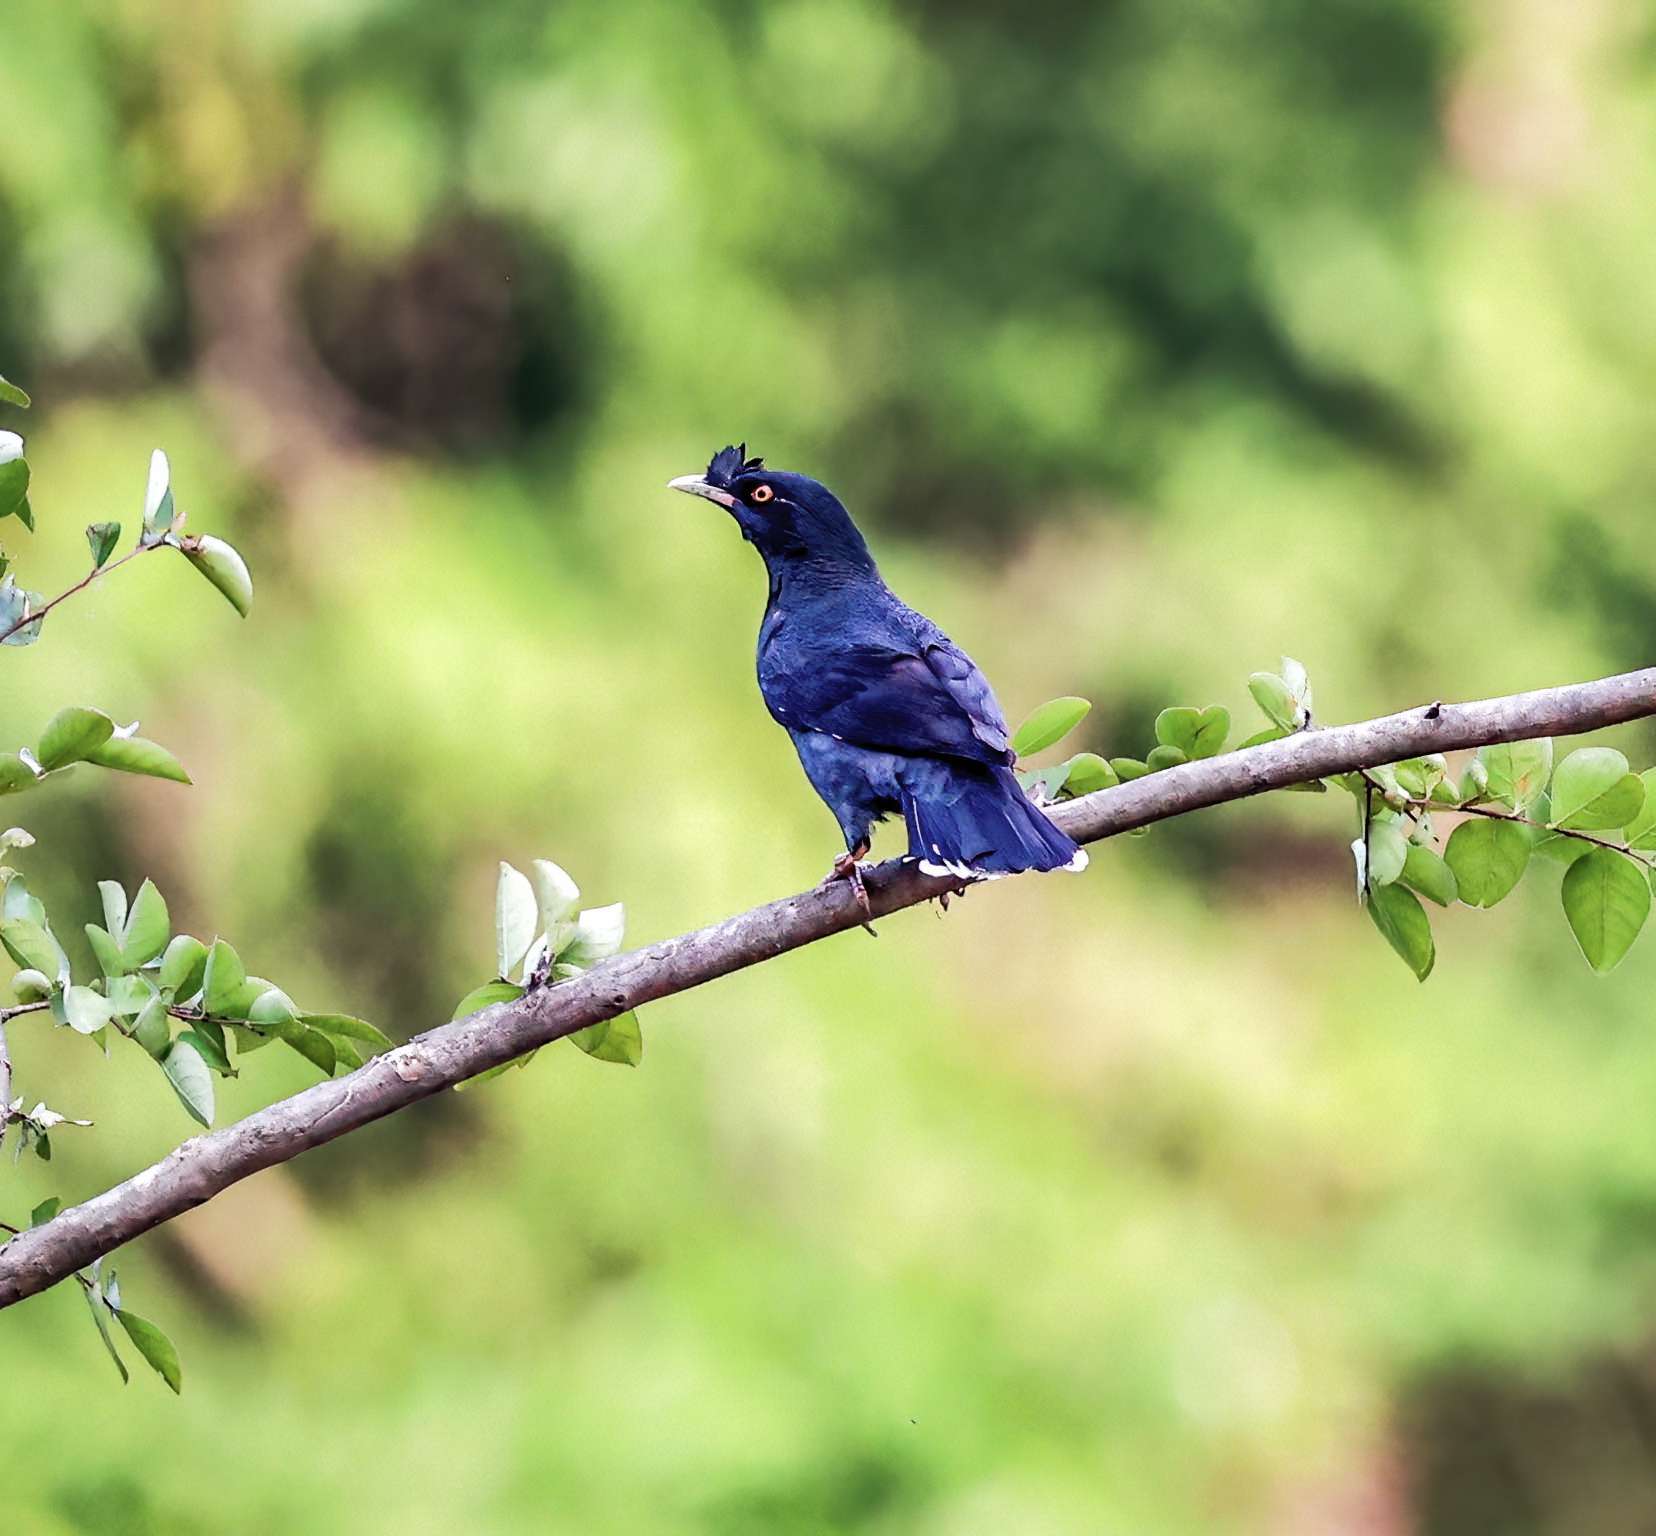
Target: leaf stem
<point>1639,856</point>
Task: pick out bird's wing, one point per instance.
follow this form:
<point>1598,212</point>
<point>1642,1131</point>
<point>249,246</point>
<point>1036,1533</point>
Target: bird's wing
<point>928,700</point>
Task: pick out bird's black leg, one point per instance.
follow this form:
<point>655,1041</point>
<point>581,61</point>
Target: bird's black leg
<point>847,867</point>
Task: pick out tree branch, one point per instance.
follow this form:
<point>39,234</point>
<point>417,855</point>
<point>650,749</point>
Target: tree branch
<point>206,1165</point>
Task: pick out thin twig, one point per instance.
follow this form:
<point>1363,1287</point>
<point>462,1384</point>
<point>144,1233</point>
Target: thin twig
<point>80,586</point>
<point>208,1164</point>
<point>1638,855</point>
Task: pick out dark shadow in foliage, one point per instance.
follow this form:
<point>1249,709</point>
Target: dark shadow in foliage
<point>1485,1452</point>
<point>858,1491</point>
<point>475,338</point>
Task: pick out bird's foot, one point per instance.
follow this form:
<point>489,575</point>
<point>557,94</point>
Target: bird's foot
<point>848,867</point>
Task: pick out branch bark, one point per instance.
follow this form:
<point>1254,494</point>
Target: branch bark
<point>206,1165</point>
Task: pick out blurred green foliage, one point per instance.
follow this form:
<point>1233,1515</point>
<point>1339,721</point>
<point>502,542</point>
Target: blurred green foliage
<point>1149,340</point>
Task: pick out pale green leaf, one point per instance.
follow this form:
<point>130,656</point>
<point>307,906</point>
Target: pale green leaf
<point>147,927</point>
<point>1583,779</point>
<point>516,915</point>
<point>86,1011</point>
<point>191,1079</point>
<point>1049,723</point>
<point>1518,771</point>
<point>134,754</point>
<point>71,735</point>
<point>224,567</point>
<point>183,966</point>
<point>223,979</point>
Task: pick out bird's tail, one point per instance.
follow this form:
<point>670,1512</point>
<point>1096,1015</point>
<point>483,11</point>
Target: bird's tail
<point>976,821</point>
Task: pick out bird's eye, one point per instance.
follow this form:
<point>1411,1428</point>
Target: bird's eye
<point>761,493</point>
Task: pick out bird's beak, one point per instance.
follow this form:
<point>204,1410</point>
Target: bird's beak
<point>694,485</point>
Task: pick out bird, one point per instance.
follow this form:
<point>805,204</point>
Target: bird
<point>888,715</point>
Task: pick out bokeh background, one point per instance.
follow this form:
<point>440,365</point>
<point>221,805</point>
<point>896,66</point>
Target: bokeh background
<point>1149,340</point>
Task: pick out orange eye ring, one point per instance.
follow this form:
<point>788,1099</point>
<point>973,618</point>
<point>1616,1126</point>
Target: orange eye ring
<point>761,494</point>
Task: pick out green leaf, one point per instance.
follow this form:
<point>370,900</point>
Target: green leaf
<point>102,537</point>
<point>30,986</point>
<point>516,914</point>
<point>486,996</point>
<point>1557,848</point>
<point>15,774</point>
<point>210,1050</point>
<point>1047,724</point>
<point>224,567</point>
<point>154,1346</point>
<point>152,1029</point>
<point>556,895</point>
<point>147,927</point>
<point>348,1055</point>
<point>1488,857</point>
<point>1588,776</point>
<point>249,1039</point>
<point>1388,849</point>
<point>1425,872</point>
<point>313,1045</point>
<point>343,1024</point>
<point>105,951</point>
<point>1620,804</point>
<point>133,754</point>
<point>15,901</point>
<point>14,483</point>
<point>1129,768</point>
<point>1087,772</point>
<point>114,898</point>
<point>183,966</point>
<point>1198,733</point>
<point>1518,771</point>
<point>1606,901</point>
<point>32,946</point>
<point>598,935</point>
<point>223,979</point>
<point>1402,920</point>
<point>87,1011</point>
<point>71,735</point>
<point>1640,832</point>
<point>1164,757</point>
<point>159,512</point>
<point>619,1040</point>
<point>270,1007</point>
<point>94,1300</point>
<point>191,1079</point>
<point>12,395</point>
<point>127,994</point>
<point>1270,733</point>
<point>1276,699</point>
<point>45,1211</point>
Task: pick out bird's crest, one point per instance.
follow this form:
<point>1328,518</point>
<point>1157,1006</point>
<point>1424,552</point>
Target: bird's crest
<point>730,462</point>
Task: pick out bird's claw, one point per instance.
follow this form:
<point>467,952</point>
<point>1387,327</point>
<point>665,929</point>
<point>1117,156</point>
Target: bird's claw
<point>847,867</point>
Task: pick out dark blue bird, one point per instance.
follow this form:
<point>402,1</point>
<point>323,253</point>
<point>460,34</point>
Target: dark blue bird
<point>889,716</point>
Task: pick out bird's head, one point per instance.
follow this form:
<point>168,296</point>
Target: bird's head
<point>786,517</point>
